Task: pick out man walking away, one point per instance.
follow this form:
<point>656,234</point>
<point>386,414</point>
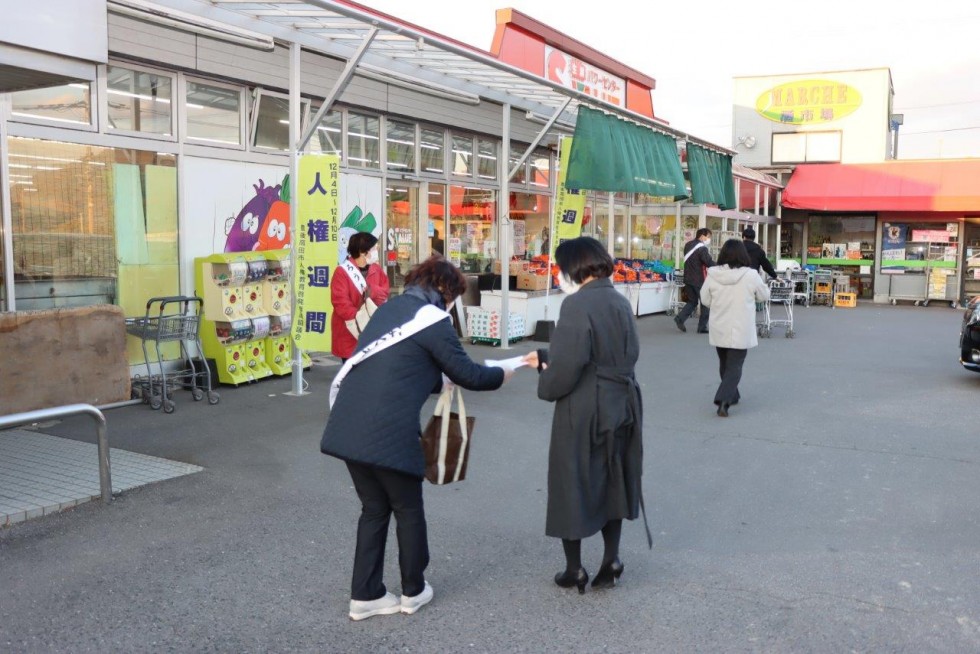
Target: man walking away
<point>697,260</point>
<point>757,256</point>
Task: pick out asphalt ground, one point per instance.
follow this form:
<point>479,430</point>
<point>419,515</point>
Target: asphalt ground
<point>834,511</point>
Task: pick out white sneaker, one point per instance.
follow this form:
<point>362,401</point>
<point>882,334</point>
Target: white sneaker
<point>387,605</point>
<point>412,604</point>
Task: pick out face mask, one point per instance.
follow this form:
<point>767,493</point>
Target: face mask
<point>567,286</point>
<point>372,256</point>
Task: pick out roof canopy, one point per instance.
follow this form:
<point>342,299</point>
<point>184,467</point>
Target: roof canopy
<point>339,27</point>
<point>933,185</point>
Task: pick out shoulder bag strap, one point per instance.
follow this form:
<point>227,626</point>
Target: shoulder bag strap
<point>463,432</point>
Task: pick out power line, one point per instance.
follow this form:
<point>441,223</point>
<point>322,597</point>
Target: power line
<point>938,131</point>
<point>936,106</point>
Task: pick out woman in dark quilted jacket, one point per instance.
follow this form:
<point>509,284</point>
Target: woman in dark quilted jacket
<point>374,428</point>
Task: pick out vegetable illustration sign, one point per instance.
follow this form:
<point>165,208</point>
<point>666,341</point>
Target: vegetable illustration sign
<point>263,223</point>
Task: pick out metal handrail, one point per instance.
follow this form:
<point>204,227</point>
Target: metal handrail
<point>105,478</point>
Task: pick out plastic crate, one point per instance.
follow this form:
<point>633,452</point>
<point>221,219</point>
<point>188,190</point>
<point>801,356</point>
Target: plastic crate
<point>845,300</point>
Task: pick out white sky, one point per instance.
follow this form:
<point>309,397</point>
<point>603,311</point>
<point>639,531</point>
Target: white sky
<point>694,48</point>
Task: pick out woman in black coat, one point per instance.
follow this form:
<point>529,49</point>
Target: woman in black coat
<point>374,428</point>
<point>596,455</point>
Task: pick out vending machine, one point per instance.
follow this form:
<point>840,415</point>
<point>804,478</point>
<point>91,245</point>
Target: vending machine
<point>233,331</point>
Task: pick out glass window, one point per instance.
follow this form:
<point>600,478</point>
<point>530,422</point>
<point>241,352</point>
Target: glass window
<point>530,215</point>
<point>437,223</point>
<point>402,210</point>
<point>92,225</point>
<point>214,113</point>
<point>363,141</point>
<point>472,221</point>
<point>400,142</point>
<point>139,102</point>
<point>645,239</point>
<point>433,151</point>
<point>841,237</point>
<point>520,177</point>
<point>600,219</point>
<point>541,169</point>
<point>620,232</point>
<point>791,241</point>
<point>487,156</point>
<point>328,137</point>
<point>272,121</point>
<point>462,155</point>
<point>71,103</point>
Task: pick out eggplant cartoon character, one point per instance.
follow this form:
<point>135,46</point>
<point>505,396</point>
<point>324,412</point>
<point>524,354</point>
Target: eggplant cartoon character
<point>243,230</point>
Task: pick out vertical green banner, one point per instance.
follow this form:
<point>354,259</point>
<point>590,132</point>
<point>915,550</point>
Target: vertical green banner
<point>317,210</point>
<point>570,203</point>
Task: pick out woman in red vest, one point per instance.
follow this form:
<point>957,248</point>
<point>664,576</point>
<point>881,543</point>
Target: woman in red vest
<point>354,280</point>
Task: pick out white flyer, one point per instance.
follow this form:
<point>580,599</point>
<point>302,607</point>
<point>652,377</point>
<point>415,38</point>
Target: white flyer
<point>507,364</point>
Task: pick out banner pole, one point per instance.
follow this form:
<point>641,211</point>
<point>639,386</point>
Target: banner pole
<point>294,136</point>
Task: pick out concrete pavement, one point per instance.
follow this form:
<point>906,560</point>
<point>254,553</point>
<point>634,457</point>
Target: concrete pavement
<point>835,510</point>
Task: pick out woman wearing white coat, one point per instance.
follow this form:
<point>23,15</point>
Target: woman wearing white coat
<point>731,290</point>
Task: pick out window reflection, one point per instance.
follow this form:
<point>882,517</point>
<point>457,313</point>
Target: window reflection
<point>139,101</point>
<point>71,103</point>
<point>214,113</point>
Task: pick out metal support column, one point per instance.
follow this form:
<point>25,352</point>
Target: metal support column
<point>294,147</point>
<point>503,230</point>
<point>6,218</point>
<point>338,88</point>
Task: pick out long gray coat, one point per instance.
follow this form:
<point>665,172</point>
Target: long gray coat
<point>596,456</point>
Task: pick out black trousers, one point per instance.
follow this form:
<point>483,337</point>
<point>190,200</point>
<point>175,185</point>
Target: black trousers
<point>693,299</point>
<point>382,492</point>
<point>730,363</point>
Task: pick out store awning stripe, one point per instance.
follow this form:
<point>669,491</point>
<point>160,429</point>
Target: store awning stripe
<point>611,154</point>
<point>711,177</point>
<point>936,185</point>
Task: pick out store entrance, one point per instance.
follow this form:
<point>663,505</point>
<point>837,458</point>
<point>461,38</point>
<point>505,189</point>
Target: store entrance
<point>402,232</point>
<point>971,259</point>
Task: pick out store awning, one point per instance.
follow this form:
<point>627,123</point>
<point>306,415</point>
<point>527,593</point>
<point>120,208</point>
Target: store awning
<point>926,185</point>
<point>711,177</point>
<point>611,154</point>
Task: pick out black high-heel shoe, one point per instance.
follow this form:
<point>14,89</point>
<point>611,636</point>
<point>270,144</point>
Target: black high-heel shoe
<point>608,574</point>
<point>569,578</point>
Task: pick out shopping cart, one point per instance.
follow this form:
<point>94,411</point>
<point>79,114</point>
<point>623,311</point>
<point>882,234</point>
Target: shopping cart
<point>675,303</point>
<point>174,319</point>
<point>780,292</point>
<point>823,287</point>
<point>802,285</point>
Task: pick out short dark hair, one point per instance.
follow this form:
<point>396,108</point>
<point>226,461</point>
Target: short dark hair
<point>583,257</point>
<point>704,231</point>
<point>734,254</point>
<point>438,274</point>
<point>748,234</point>
<point>361,243</point>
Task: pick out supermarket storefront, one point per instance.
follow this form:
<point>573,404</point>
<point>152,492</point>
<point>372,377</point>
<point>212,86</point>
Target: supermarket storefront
<point>900,230</point>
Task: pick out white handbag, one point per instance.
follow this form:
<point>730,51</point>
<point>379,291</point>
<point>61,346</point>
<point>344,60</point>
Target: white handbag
<point>367,308</point>
<point>363,315</point>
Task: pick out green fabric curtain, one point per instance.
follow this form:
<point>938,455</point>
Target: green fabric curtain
<point>611,154</point>
<point>711,177</point>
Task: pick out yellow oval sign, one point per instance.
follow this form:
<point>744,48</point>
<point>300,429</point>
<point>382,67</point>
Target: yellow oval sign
<point>808,102</point>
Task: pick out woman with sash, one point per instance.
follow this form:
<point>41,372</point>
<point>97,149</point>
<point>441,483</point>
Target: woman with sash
<point>356,279</point>
<point>408,351</point>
